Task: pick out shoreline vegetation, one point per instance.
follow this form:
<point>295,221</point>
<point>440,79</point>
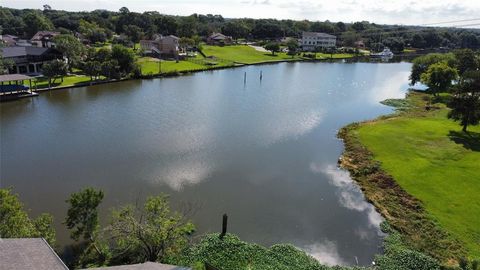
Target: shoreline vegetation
<point>433,224</point>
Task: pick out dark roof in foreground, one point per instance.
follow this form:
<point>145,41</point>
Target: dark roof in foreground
<point>142,266</point>
<point>17,51</point>
<point>28,253</point>
<point>14,77</point>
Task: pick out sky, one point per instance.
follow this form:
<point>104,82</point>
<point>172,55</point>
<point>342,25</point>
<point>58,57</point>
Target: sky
<point>407,12</point>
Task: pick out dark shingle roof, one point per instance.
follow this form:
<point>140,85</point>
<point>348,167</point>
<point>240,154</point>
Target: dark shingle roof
<point>18,51</point>
<point>28,253</point>
<point>142,266</point>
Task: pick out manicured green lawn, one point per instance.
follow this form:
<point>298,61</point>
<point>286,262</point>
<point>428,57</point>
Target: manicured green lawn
<point>151,66</point>
<point>67,80</point>
<point>435,162</point>
<point>244,54</point>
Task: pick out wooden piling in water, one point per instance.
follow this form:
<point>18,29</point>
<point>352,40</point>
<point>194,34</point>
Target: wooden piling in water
<point>224,226</point>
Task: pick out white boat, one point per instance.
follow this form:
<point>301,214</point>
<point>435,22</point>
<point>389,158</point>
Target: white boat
<point>386,53</point>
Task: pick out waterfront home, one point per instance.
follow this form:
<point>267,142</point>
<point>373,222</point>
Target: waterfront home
<point>161,46</point>
<point>44,39</point>
<point>28,60</point>
<point>313,40</point>
<point>219,39</point>
<point>8,40</point>
<point>28,253</point>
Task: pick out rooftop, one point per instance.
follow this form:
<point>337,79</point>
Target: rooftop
<point>40,34</point>
<point>17,51</point>
<point>316,34</point>
<point>10,78</point>
<point>28,253</point>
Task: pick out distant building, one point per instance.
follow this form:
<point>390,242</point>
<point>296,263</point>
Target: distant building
<point>44,39</point>
<point>29,60</point>
<point>219,39</point>
<point>28,253</point>
<point>161,46</point>
<point>313,40</point>
<point>359,44</point>
<point>8,40</point>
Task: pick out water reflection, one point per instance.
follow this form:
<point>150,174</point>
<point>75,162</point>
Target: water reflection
<point>350,195</point>
<point>263,152</point>
<point>325,252</point>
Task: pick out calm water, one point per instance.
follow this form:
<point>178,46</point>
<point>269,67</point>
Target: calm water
<point>264,152</point>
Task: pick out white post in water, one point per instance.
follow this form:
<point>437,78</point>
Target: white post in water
<point>245,78</point>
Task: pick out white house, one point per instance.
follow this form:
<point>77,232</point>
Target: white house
<point>312,40</point>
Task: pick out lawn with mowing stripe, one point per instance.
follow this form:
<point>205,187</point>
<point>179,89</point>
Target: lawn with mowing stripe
<point>67,81</point>
<point>434,161</point>
<point>151,66</point>
<point>244,54</point>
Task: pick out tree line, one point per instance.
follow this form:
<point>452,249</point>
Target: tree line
<point>457,73</point>
<point>125,26</point>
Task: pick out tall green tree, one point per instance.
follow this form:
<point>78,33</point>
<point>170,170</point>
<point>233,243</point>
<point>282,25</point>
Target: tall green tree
<point>466,60</point>
<point>149,233</point>
<point>83,222</point>
<point>125,59</point>
<point>92,69</point>
<point>422,63</point>
<point>465,102</point>
<point>72,49</point>
<point>53,70</point>
<point>82,215</point>
<point>439,77</point>
<point>36,21</point>
<point>15,222</point>
<point>292,45</point>
<point>5,65</point>
<point>273,47</point>
<point>134,33</point>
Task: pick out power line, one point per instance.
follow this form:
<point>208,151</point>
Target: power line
<point>466,20</point>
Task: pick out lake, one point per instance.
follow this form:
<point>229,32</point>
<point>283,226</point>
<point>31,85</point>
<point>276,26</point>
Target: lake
<point>265,151</point>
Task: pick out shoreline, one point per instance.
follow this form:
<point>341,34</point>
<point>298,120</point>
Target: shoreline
<point>405,213</point>
<point>168,75</point>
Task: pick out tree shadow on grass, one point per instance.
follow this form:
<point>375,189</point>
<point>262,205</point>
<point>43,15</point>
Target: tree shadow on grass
<point>470,140</point>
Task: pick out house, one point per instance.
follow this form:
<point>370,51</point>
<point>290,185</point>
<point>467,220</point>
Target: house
<point>44,39</point>
<point>219,39</point>
<point>161,46</point>
<point>8,40</point>
<point>29,60</point>
<point>359,44</point>
<point>28,253</point>
<point>313,40</point>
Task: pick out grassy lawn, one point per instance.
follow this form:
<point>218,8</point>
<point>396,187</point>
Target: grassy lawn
<point>151,66</point>
<point>244,54</point>
<point>67,80</point>
<point>434,161</point>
